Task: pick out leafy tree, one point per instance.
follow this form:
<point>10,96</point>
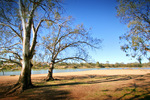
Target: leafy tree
<point>66,42</point>
<point>135,13</point>
<point>19,26</point>
<point>97,64</point>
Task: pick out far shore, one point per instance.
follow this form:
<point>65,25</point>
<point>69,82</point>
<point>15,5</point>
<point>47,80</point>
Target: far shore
<point>4,79</point>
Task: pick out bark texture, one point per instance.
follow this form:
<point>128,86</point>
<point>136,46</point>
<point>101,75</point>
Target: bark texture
<point>25,77</point>
<point>24,81</point>
<point>50,73</point>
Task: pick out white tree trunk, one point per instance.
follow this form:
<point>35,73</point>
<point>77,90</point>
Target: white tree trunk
<point>25,76</point>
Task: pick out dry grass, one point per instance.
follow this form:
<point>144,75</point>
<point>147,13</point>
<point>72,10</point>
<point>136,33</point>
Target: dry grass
<point>87,87</point>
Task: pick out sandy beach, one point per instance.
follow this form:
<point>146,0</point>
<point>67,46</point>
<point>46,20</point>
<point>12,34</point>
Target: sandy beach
<point>4,79</point>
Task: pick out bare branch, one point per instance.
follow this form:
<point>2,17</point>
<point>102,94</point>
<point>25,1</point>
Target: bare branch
<point>35,30</point>
<point>34,40</point>
<point>19,63</point>
<point>12,45</point>
<point>16,54</point>
<point>69,58</point>
<point>39,24</point>
<point>13,30</point>
<point>73,44</point>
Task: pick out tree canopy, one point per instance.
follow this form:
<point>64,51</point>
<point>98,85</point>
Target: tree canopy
<point>66,41</point>
<point>136,14</point>
<point>65,37</point>
<point>20,23</point>
<point>15,18</point>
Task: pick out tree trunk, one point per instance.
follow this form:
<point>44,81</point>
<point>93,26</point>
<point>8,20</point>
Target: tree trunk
<point>24,81</point>
<point>50,73</point>
<point>25,76</point>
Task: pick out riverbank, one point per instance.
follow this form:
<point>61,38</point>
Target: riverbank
<point>44,71</point>
<point>4,79</point>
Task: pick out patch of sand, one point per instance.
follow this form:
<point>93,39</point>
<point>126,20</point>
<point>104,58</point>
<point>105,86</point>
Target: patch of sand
<point>107,72</point>
<point>4,79</point>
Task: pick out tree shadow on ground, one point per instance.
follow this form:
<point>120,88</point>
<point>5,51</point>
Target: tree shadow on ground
<point>100,79</point>
<point>3,90</point>
<point>103,79</point>
<point>40,93</point>
<point>145,96</point>
<point>144,93</point>
<point>133,90</point>
<point>49,92</point>
<point>46,94</point>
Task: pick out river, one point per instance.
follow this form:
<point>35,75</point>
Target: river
<point>44,71</point>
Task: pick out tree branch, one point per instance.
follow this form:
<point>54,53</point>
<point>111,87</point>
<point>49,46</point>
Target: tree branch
<point>19,63</point>
<point>22,14</point>
<point>34,40</point>
<point>13,30</point>
<point>39,24</point>
<point>12,45</point>
<point>35,30</point>
<point>68,58</point>
<point>7,51</point>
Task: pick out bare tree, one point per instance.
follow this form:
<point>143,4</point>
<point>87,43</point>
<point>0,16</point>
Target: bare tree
<point>67,42</point>
<point>19,23</point>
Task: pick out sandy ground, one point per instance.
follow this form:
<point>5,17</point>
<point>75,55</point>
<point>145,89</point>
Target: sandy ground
<point>126,84</point>
<point>5,79</point>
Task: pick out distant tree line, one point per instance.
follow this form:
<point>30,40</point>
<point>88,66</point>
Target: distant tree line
<point>64,65</point>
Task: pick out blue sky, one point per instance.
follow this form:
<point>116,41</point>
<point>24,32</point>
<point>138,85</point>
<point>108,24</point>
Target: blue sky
<point>100,15</point>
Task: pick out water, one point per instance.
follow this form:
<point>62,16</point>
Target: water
<point>44,71</point>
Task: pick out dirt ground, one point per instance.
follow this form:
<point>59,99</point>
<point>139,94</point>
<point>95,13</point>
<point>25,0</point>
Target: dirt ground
<point>82,87</point>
